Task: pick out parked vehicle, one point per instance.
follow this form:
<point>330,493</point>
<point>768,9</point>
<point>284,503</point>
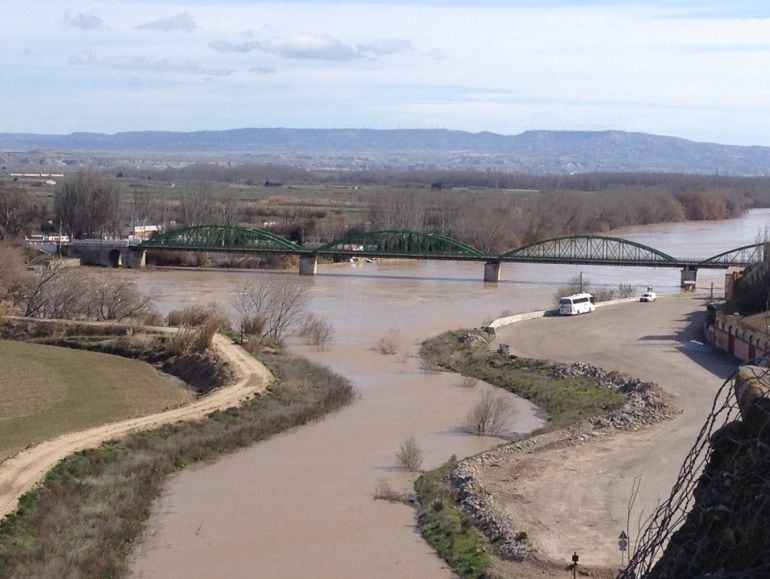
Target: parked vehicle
<point>648,296</point>
<point>576,304</point>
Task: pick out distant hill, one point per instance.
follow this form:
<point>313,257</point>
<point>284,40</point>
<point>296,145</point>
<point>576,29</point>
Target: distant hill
<point>531,151</point>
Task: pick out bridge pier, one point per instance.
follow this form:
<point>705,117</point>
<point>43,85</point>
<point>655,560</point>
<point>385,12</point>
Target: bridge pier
<point>135,258</point>
<point>689,276</point>
<point>308,265</point>
<point>492,271</point>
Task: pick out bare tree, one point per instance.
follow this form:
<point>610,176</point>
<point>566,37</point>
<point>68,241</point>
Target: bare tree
<point>59,292</point>
<point>196,207</point>
<point>409,455</point>
<point>278,302</point>
<point>16,212</point>
<point>489,415</point>
<point>62,292</point>
<point>14,278</point>
<point>117,299</point>
<point>400,210</point>
<point>88,205</point>
<point>228,209</point>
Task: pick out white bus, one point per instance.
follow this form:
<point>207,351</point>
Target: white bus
<point>577,304</point>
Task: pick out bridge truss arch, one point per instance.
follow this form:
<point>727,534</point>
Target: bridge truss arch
<point>741,256</point>
<point>401,243</point>
<point>590,250</point>
<point>222,238</point>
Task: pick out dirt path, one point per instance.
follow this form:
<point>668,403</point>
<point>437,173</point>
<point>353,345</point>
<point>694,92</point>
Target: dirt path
<point>22,472</point>
<point>576,499</point>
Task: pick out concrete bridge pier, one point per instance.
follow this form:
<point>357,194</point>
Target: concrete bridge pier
<point>689,276</point>
<point>135,258</point>
<point>492,271</point>
<point>308,265</point>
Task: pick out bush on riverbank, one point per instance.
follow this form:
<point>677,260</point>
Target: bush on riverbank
<point>565,399</point>
<point>92,507</point>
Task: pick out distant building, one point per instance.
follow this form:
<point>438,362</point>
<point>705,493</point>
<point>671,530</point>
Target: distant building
<point>142,232</point>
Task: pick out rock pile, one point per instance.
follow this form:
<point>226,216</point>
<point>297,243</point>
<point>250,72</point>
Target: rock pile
<point>645,401</point>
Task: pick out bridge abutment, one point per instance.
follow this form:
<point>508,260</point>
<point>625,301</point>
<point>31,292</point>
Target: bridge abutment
<point>689,277</point>
<point>308,265</point>
<point>492,271</point>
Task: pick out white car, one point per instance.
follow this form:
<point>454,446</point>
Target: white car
<point>648,297</point>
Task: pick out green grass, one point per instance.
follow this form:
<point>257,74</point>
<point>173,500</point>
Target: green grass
<point>565,400</point>
<point>46,391</point>
<point>83,520</point>
<point>447,528</point>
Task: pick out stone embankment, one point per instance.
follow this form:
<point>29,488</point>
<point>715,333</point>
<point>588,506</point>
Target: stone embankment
<point>646,404</point>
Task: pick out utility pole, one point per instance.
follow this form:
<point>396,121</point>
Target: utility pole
<point>581,282</point>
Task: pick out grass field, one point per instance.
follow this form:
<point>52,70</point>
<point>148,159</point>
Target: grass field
<point>46,391</point>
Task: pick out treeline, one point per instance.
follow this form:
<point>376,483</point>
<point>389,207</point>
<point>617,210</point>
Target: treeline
<point>492,211</point>
<point>496,221</point>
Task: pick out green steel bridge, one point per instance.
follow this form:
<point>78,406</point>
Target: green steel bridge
<point>574,249</point>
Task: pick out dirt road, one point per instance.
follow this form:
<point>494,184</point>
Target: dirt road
<point>576,499</point>
<point>22,472</point>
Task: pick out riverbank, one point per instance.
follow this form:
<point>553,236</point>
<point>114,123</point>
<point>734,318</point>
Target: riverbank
<point>97,501</point>
<point>582,402</point>
<point>575,497</point>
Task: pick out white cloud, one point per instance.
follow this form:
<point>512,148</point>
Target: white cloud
<point>227,46</point>
<point>262,70</point>
<point>179,22</point>
<point>315,47</point>
<point>84,21</point>
<point>146,64</point>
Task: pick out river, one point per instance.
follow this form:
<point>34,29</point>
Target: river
<point>300,504</point>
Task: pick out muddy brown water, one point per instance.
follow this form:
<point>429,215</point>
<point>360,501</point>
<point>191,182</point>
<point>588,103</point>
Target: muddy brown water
<point>300,504</point>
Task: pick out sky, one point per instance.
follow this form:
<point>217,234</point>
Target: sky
<point>698,70</point>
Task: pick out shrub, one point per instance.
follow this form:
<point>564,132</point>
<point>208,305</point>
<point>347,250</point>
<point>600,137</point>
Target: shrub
<point>279,302</point>
<point>253,325</point>
<point>390,343</point>
<point>384,492</point>
<point>199,315</point>
<point>626,291</point>
<point>193,339</point>
<point>409,455</point>
<point>489,415</point>
<point>318,331</point>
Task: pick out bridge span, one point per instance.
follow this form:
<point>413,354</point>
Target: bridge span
<point>403,244</point>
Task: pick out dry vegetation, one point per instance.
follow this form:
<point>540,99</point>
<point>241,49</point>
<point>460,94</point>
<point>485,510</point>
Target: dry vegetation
<point>46,391</point>
<point>489,416</point>
<point>317,331</point>
<point>409,455</point>
<point>390,343</point>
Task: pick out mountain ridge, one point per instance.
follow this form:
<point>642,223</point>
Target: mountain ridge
<point>537,151</point>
